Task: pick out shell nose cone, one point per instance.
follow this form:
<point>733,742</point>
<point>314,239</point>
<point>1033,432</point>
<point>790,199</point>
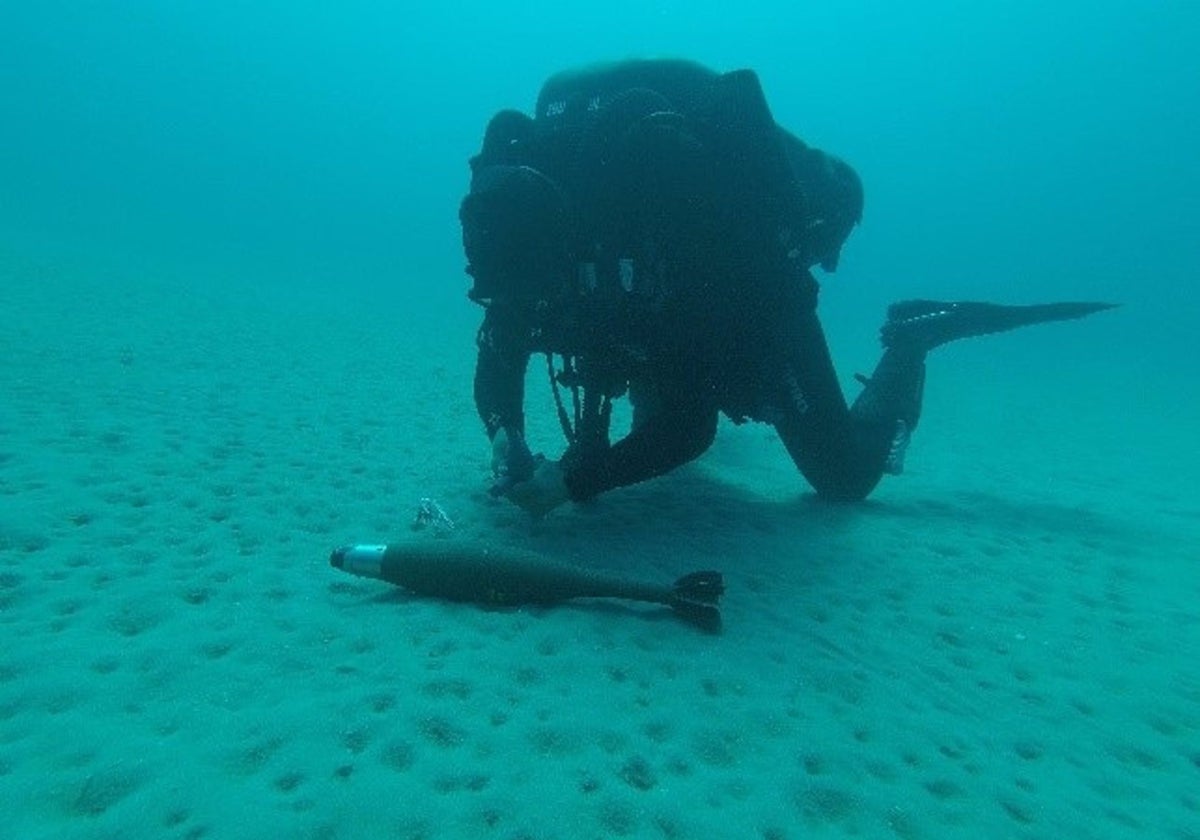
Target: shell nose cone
<point>337,558</point>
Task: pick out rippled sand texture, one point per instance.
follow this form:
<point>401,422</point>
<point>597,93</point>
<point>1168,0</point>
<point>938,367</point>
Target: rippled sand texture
<point>1003,643</point>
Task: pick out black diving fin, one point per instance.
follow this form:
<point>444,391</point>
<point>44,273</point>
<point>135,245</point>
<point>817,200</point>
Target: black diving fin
<point>925,324</point>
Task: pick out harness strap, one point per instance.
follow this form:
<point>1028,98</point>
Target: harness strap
<point>563,420</point>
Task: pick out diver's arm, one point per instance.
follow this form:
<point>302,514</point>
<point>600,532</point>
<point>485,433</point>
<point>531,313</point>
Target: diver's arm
<point>500,373</point>
<point>667,439</point>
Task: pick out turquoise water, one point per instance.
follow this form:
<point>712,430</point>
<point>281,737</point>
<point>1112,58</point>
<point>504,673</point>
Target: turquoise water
<point>236,335</point>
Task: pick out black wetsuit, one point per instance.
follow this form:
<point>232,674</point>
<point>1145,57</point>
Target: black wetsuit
<point>655,227</point>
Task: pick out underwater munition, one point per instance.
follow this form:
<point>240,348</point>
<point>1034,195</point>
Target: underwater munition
<point>459,571</point>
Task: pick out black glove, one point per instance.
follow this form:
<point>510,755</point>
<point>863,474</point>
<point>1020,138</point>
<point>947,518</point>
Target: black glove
<point>512,462</point>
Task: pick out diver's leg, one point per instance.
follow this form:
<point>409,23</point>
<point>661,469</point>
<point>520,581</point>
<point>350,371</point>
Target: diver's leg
<point>892,396</point>
<point>841,452</point>
<point>844,452</point>
<point>887,411</point>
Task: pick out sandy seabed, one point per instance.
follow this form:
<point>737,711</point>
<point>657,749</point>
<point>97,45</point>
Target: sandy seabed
<point>1002,643</point>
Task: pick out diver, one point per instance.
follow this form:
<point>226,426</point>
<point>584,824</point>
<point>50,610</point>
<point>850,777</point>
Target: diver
<point>651,230</point>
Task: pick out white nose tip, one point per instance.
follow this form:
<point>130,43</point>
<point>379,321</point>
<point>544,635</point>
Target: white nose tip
<point>361,560</point>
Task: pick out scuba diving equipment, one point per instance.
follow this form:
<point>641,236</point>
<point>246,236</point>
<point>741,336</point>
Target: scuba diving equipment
<point>891,400</point>
<point>926,324</point>
<point>668,171</point>
<point>506,141</point>
<point>516,233</point>
<point>634,194</point>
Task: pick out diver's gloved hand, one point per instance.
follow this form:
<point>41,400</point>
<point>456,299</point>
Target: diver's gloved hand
<point>512,461</point>
<point>545,490</point>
